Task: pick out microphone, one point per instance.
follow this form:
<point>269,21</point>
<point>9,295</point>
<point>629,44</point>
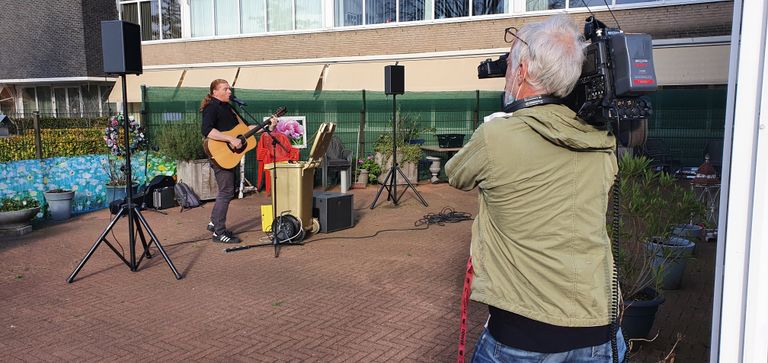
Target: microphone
<point>237,101</point>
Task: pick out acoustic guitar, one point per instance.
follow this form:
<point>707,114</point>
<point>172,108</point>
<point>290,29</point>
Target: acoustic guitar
<point>227,157</point>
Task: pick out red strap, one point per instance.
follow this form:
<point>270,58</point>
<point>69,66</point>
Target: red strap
<point>464,306</point>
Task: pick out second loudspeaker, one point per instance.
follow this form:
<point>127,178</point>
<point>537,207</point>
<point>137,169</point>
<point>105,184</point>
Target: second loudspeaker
<point>394,80</point>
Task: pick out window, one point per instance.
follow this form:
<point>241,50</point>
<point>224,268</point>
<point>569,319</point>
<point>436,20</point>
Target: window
<point>309,14</point>
<point>226,17</point>
<point>44,104</point>
<point>90,100</point>
<point>171,19</point>
<point>28,101</point>
<point>413,10</point>
<point>252,16</point>
<point>380,11</point>
<point>485,7</point>
<point>60,97</point>
<point>279,15</point>
<point>451,8</point>
<point>201,17</point>
<point>349,12</point>
<point>159,19</point>
<point>107,108</point>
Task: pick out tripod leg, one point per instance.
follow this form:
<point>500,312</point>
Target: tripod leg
<point>383,186</point>
<point>418,195</point>
<point>96,244</point>
<point>141,236</point>
<point>157,243</point>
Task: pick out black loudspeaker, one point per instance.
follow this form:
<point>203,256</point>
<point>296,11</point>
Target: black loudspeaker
<point>334,210</point>
<point>394,80</point>
<point>121,46</point>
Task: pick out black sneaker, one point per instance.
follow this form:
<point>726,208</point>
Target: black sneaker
<point>225,238</point>
<point>211,227</point>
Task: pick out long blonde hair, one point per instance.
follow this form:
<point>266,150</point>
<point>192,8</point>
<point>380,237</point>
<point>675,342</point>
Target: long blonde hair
<point>209,96</point>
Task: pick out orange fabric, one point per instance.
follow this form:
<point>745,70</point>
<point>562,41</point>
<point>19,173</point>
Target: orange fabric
<point>264,154</point>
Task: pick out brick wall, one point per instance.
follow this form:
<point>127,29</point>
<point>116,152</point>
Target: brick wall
<point>47,39</point>
<point>94,11</point>
<point>681,21</point>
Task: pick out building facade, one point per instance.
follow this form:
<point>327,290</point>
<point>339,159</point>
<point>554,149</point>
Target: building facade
<point>51,57</point>
<point>344,44</point>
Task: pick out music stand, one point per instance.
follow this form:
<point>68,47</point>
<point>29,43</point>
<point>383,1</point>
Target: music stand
<point>130,210</point>
<point>394,84</point>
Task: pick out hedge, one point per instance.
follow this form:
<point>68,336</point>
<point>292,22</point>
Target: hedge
<point>55,142</point>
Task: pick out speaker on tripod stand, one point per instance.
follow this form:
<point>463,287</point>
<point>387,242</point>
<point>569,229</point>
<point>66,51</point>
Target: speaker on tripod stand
<point>121,45</point>
<point>394,84</point>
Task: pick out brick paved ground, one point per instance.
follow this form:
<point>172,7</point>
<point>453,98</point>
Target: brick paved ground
<point>393,297</point>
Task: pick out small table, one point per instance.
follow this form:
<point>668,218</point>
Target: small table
<point>709,194</point>
<point>435,167</point>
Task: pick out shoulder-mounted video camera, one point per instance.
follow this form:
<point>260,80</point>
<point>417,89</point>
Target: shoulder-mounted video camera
<point>617,73</point>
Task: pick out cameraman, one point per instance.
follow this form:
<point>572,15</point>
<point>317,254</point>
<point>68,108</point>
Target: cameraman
<point>540,249</point>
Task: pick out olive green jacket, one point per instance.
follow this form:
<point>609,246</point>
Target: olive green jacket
<point>540,247</point>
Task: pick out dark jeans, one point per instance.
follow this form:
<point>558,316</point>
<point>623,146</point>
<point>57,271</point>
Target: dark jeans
<point>225,178</point>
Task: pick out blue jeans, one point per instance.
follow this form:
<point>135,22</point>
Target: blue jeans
<point>489,350</point>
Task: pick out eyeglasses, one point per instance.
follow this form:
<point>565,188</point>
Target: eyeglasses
<point>512,31</point>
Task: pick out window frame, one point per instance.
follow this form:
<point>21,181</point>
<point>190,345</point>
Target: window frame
<point>160,33</point>
<point>513,9</point>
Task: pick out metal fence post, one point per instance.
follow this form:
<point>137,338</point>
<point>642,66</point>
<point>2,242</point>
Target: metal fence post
<point>361,134</point>
<point>38,142</point>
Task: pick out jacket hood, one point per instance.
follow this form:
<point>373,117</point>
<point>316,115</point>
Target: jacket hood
<point>559,125</point>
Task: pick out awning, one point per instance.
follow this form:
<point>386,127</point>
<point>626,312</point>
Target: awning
<point>692,65</point>
<point>421,75</point>
<point>675,65</point>
<point>202,77</point>
<point>283,77</point>
<point>169,78</point>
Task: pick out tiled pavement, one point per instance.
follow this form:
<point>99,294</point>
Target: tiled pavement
<point>389,298</point>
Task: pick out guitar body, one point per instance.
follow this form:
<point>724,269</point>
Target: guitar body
<point>222,153</point>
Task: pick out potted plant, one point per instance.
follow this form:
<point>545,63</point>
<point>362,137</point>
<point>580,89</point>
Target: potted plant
<point>183,143</point>
<point>408,157</point>
<point>368,171</point>
<point>59,203</point>
<point>16,213</point>
<point>409,130</point>
<point>651,204</point>
<point>116,163</point>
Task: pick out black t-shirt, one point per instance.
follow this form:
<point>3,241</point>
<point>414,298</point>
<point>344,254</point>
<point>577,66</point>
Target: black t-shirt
<point>218,115</point>
<point>519,332</point>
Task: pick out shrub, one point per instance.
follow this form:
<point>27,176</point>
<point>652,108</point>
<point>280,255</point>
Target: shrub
<point>55,142</point>
<point>180,142</point>
<point>9,204</point>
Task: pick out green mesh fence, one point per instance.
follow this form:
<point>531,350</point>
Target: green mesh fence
<point>685,118</point>
<point>436,112</point>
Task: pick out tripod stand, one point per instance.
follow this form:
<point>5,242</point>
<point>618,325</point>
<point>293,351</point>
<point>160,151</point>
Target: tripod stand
<point>276,224</point>
<point>390,182</point>
<point>131,210</point>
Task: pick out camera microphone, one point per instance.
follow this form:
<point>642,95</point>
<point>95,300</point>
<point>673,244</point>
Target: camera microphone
<point>237,101</point>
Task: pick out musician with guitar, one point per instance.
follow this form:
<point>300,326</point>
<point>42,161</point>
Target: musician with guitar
<point>227,139</point>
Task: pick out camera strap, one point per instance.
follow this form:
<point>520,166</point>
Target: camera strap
<point>531,101</point>
<point>464,307</point>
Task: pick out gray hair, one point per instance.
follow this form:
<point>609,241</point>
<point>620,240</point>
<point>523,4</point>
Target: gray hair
<point>555,54</point>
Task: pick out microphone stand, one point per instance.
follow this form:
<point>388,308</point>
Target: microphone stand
<point>265,126</point>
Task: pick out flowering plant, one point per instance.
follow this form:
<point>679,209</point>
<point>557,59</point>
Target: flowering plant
<point>370,164</point>
<point>114,142</point>
<point>9,204</point>
<point>293,129</point>
<point>112,135</point>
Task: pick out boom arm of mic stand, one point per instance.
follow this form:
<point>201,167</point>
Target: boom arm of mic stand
<point>263,126</point>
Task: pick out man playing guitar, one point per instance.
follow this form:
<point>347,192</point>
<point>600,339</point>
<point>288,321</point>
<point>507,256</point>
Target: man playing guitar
<point>219,117</point>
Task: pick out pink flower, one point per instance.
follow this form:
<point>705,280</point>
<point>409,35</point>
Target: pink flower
<point>290,128</point>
